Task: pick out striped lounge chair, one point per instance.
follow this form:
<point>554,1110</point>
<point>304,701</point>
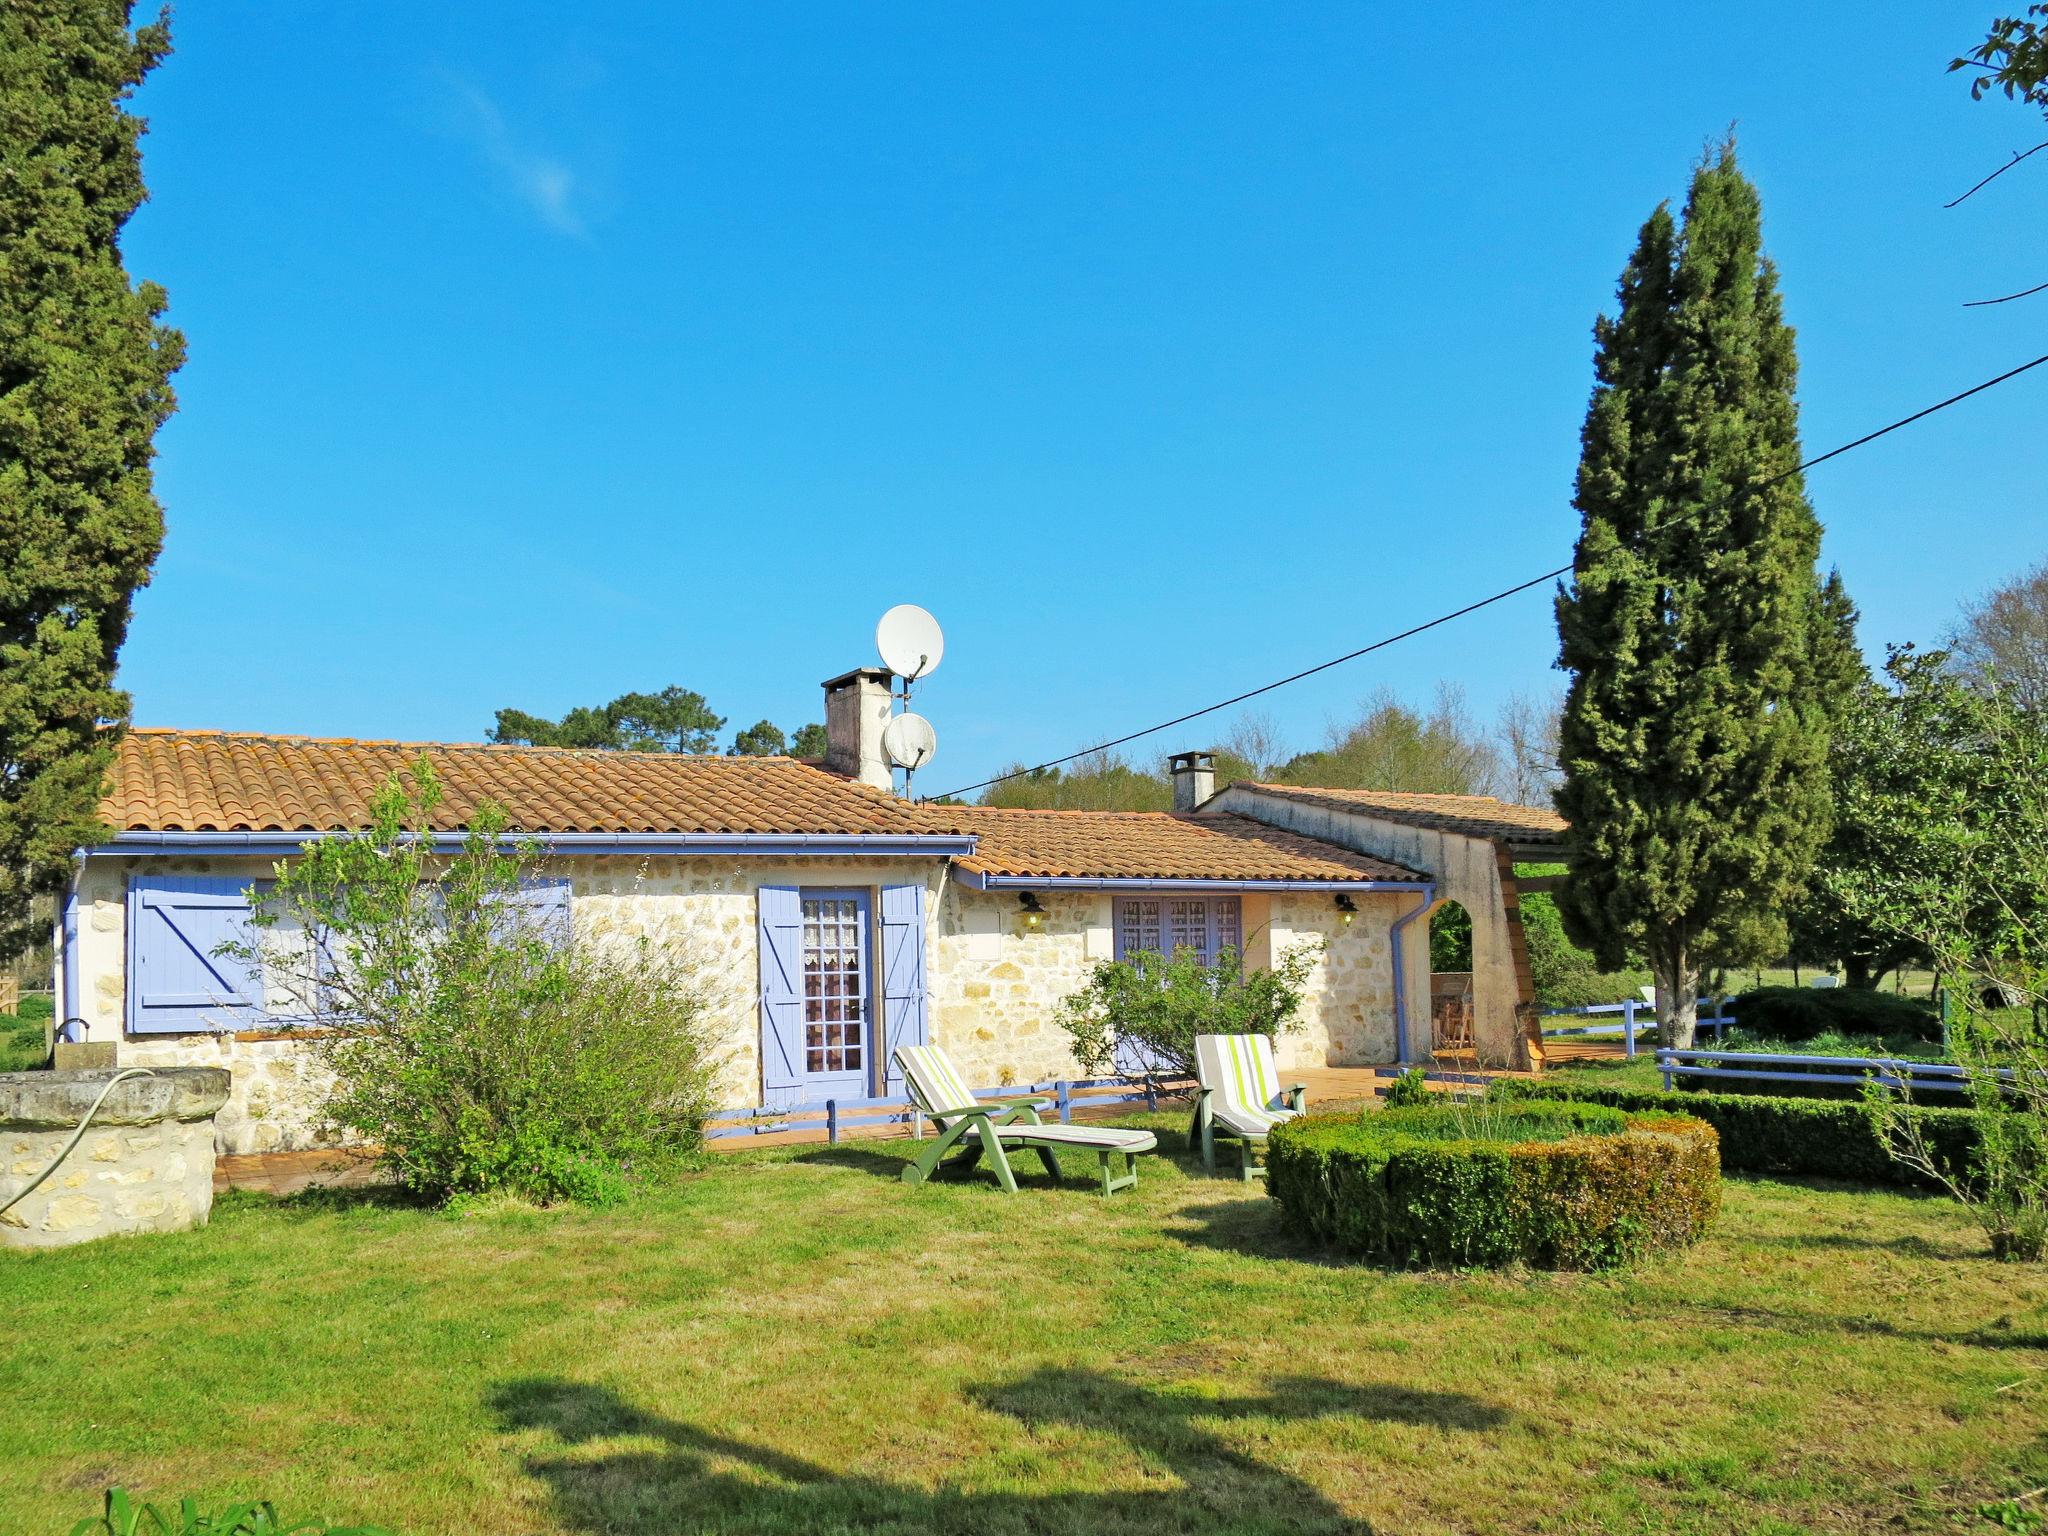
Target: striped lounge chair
<point>990,1127</point>
<point>1239,1097</point>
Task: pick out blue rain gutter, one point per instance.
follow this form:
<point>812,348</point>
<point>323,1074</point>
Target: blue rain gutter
<point>704,844</point>
<point>976,881</point>
<point>1400,971</point>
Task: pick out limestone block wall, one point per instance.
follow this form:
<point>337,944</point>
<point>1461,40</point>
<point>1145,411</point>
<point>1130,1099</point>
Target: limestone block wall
<point>996,983</point>
<point>1347,1013</point>
<point>280,1088</point>
<point>145,1163</point>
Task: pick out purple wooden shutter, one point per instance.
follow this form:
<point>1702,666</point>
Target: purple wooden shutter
<point>546,905</point>
<point>176,983</point>
<point>905,1011</point>
<point>781,942</point>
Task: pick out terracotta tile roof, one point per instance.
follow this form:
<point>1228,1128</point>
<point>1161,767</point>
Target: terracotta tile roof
<point>1471,815</point>
<point>1113,845</point>
<point>216,781</point>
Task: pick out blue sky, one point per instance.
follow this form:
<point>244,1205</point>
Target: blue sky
<point>1158,350</point>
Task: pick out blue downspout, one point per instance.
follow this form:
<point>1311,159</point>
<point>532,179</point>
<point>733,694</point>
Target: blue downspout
<point>68,1003</point>
<point>1400,972</point>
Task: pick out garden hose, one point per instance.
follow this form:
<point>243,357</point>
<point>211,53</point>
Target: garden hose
<point>76,1136</point>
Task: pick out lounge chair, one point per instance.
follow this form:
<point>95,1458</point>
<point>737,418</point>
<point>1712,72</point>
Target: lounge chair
<point>988,1127</point>
<point>1239,1097</point>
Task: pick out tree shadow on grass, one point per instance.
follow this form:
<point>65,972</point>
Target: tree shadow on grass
<point>1253,1228</point>
<point>679,1477</point>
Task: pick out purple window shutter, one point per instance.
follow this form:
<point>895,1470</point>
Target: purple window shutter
<point>176,983</point>
<point>782,961</point>
<point>543,910</point>
<point>905,1009</point>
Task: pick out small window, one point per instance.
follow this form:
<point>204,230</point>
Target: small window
<point>1208,925</point>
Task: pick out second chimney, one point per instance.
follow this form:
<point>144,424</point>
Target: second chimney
<point>856,710</point>
<point>1194,778</point>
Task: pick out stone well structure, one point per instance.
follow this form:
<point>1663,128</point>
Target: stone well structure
<point>144,1164</point>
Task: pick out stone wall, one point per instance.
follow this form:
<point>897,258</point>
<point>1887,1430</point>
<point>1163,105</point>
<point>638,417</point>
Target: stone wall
<point>145,1163</point>
<point>996,984</point>
<point>280,1086</point>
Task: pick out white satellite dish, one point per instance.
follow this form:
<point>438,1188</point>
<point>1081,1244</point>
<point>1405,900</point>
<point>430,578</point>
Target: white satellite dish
<point>909,641</point>
<point>910,741</point>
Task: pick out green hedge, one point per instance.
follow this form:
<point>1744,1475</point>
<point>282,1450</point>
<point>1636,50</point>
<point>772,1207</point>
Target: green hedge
<point>1801,1013</point>
<point>1895,1047</point>
<point>1819,1138</point>
<point>1561,1185</point>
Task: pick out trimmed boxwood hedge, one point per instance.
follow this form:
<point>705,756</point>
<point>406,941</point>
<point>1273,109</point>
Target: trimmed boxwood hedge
<point>1818,1138</point>
<point>1801,1013</point>
<point>1557,1185</point>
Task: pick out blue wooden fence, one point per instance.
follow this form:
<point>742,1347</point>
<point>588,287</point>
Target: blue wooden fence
<point>1767,1066</point>
<point>836,1117</point>
<point>1631,1012</point>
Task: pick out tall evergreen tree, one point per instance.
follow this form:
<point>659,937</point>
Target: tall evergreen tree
<point>1707,660</point>
<point>85,367</point>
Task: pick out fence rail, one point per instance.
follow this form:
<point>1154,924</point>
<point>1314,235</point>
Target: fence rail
<point>1766,1066</point>
<point>836,1117</point>
<point>1630,1012</point>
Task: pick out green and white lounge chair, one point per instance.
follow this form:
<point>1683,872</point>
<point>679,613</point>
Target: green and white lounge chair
<point>1239,1097</point>
<point>987,1127</point>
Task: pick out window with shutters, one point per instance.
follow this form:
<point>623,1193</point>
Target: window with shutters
<point>1208,925</point>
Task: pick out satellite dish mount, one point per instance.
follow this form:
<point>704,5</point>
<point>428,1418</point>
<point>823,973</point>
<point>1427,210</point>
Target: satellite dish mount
<point>912,647</point>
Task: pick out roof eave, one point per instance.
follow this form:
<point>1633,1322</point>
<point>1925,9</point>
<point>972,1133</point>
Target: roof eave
<point>699,844</point>
<point>976,880</point>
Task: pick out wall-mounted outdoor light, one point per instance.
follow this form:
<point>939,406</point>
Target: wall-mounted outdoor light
<point>1034,914</point>
<point>1347,909</point>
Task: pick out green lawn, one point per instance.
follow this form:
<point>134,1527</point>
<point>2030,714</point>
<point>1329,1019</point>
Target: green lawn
<point>799,1343</point>
<point>21,1035</point>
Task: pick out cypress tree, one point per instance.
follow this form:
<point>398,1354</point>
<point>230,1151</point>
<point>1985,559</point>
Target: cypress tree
<point>85,365</point>
<point>1708,661</point>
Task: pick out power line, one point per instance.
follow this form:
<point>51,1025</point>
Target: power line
<point>1487,602</point>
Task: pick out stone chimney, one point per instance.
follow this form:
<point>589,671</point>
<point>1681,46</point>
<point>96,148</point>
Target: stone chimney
<point>1194,778</point>
<point>856,710</point>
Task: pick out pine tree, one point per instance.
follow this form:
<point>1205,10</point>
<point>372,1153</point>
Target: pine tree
<point>85,368</point>
<point>1707,660</point>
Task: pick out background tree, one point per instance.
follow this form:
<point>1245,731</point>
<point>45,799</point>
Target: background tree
<point>1926,824</point>
<point>1101,782</point>
<point>85,368</point>
<point>1392,746</point>
<point>1527,748</point>
<point>2002,641</point>
<point>763,738</point>
<point>673,720</point>
<point>1706,659</point>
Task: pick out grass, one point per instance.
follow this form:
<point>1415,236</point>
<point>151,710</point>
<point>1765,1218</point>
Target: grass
<point>799,1343</point>
<point>21,1035</point>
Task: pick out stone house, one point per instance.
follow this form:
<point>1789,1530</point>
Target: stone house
<point>835,920</point>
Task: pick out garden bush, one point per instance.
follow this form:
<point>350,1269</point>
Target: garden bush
<point>478,1042</point>
<point>1142,1013</point>
<point>1802,1013</point>
<point>1555,1185</point>
<point>1818,1138</point>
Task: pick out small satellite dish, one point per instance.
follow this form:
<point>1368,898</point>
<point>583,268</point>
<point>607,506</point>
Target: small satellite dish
<point>910,741</point>
<point>909,641</point>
